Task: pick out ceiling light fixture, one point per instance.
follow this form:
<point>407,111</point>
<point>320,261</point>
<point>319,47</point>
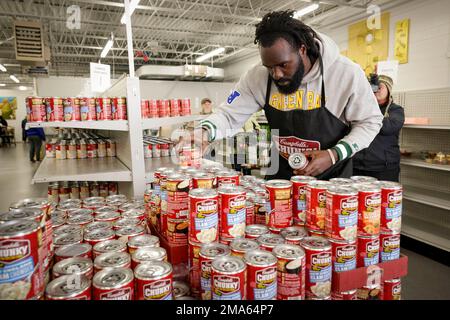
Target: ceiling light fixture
<point>306,10</point>
<point>2,85</point>
<point>14,78</point>
<point>210,54</point>
<point>2,68</point>
<point>22,88</point>
<point>107,47</point>
<point>133,5</point>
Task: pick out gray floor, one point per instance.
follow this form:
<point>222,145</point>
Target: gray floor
<point>427,279</point>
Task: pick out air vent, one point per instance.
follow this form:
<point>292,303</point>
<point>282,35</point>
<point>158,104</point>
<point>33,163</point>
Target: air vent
<point>29,41</point>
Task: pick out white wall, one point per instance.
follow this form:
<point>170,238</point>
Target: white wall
<point>429,46</point>
<point>20,112</point>
<point>62,87</point>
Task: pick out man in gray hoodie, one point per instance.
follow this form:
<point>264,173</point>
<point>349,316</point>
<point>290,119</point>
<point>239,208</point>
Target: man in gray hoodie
<point>320,101</point>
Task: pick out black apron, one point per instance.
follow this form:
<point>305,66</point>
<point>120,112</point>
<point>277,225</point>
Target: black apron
<point>302,130</point>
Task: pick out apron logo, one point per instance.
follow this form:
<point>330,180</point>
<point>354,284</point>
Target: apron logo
<point>233,96</point>
<point>289,145</point>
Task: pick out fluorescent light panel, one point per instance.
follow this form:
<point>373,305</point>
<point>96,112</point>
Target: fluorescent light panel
<point>2,68</point>
<point>22,88</point>
<point>300,13</point>
<point>2,85</point>
<point>210,54</point>
<point>133,5</point>
<point>106,49</point>
<point>14,78</point>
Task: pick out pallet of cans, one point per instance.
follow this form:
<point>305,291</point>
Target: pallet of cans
<point>155,147</point>
<point>77,144</point>
<point>55,109</point>
<point>163,108</point>
<point>65,190</point>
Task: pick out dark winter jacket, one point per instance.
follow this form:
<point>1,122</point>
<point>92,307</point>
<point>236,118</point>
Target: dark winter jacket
<point>384,152</point>
<point>36,132</point>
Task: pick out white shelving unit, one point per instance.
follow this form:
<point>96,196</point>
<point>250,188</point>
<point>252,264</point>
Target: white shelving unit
<point>97,169</point>
<point>423,164</point>
<point>426,232</point>
<point>114,125</point>
<point>427,197</point>
<point>427,127</point>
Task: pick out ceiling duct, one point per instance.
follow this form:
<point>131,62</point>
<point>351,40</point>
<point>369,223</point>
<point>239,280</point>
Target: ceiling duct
<point>185,72</point>
<point>29,41</point>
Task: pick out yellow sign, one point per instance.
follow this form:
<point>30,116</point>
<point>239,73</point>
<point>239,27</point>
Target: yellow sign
<point>401,41</point>
<point>368,46</point>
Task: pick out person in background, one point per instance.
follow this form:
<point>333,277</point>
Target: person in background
<point>35,136</point>
<point>24,131</point>
<point>382,158</point>
<point>206,105</point>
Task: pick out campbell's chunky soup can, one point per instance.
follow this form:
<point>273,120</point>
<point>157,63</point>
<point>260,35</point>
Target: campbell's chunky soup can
<point>208,253</point>
<point>261,275</point>
<point>109,246</point>
<point>293,235</point>
<point>204,216</point>
<point>112,260</point>
<point>144,255</point>
<point>154,281</point>
<point>392,289</point>
<point>316,205</point>
<point>299,184</point>
<point>83,250</point>
<point>227,178</point>
<point>240,246</point>
<point>369,212</point>
<point>391,207</point>
<point>368,251</point>
<point>343,255</point>
<point>74,266</point>
<point>69,288</point>
<point>228,278</point>
<point>254,231</point>
<point>113,284</point>
<point>389,247</point>
<point>232,215</point>
<point>279,204</point>
<point>269,241</point>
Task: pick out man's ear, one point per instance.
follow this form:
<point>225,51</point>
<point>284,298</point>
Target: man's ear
<point>302,50</point>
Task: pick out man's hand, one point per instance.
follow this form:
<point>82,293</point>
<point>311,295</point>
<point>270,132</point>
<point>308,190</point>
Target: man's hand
<point>319,162</point>
<point>196,137</point>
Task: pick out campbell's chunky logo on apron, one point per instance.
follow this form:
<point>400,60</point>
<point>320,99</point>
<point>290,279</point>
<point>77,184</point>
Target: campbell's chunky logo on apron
<point>289,145</point>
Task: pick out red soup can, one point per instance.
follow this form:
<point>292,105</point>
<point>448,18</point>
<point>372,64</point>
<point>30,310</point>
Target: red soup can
<point>74,266</point>
<point>316,204</point>
<point>69,288</point>
<point>185,107</point>
<point>203,217</point>
<point>174,108</point>
<point>279,204</point>
<point>341,217</point>
<point>249,212</point>
<point>233,212</point>
<point>269,241</point>
<point>83,250</point>
<point>20,243</point>
<point>299,198</point>
<point>389,247</point>
<point>163,108</point>
<point>294,235</point>
<point>109,246</point>
<point>55,109</point>
<point>208,253</point>
<point>228,278</point>
<point>368,251</point>
<point>153,108</point>
<point>177,188</point>
<point>227,178</point>
<point>194,268</point>
<point>254,231</point>
<point>119,108</point>
<point>95,236</point>
<point>260,207</point>
<point>87,109</point>
<point>28,106</point>
<point>154,281</point>
<point>291,272</point>
<point>104,110</point>
<point>38,112</point>
<point>202,180</point>
<point>347,295</point>
<point>392,289</point>
<point>369,212</point>
<point>114,284</point>
<point>144,109</point>
<point>261,275</point>
<point>240,246</point>
<point>391,206</point>
<point>144,255</point>
<point>343,255</point>
<point>72,109</point>
<point>318,267</point>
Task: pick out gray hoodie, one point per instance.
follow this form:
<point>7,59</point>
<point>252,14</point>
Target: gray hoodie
<point>349,98</point>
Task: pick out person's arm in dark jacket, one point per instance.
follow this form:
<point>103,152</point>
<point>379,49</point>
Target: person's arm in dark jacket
<point>394,122</point>
<point>42,134</point>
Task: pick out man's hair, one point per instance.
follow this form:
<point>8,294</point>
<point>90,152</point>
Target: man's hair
<point>282,24</point>
<point>205,100</point>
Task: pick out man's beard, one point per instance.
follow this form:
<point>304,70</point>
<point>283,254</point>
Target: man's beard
<point>294,82</point>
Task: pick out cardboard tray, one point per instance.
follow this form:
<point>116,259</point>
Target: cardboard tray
<point>175,254</point>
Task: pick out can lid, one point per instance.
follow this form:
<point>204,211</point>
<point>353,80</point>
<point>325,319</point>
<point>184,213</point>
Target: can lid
<point>177,176</point>
<point>202,175</point>
<point>17,227</point>
<point>107,208</point>
<point>270,239</point>
<point>278,183</point>
<point>288,251</point>
<point>75,265</point>
<point>60,288</point>
<point>256,229</point>
<point>113,278</point>
<point>30,202</point>
<point>388,184</point>
<point>80,219</point>
<point>228,264</point>
<point>260,258</point>
<point>153,270</point>
<point>94,200</point>
<point>363,179</point>
<point>99,234</point>
<point>212,250</point>
<point>110,215</point>
<point>319,184</point>
<point>298,161</point>
<point>226,174</point>
<point>231,189</point>
<point>341,181</point>
<point>22,213</point>
<point>70,202</point>
<point>342,190</point>
<point>123,222</point>
<point>145,254</point>
<point>180,289</point>
<point>133,213</point>
<point>112,260</point>
<point>203,193</point>
<point>97,225</point>
<point>110,246</point>
<point>316,243</point>
<point>243,245</point>
<point>79,211</point>
<point>67,238</point>
<point>144,240</point>
<point>73,250</point>
<point>72,229</point>
<point>130,230</point>
<point>304,179</point>
<point>131,205</point>
<point>367,187</point>
<point>294,233</point>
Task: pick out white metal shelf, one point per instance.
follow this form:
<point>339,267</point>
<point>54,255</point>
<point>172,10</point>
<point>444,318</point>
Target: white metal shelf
<point>423,164</point>
<point>427,126</point>
<point>429,233</point>
<point>97,169</point>
<point>155,123</point>
<point>116,125</point>
<point>427,197</point>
